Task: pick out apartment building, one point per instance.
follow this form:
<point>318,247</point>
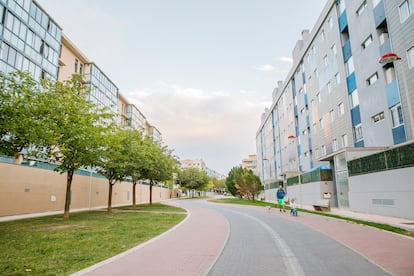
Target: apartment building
<point>250,163</point>
<point>338,101</point>
<point>30,39</point>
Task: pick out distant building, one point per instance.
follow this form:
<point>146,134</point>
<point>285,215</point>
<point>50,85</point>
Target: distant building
<point>201,165</point>
<point>250,163</point>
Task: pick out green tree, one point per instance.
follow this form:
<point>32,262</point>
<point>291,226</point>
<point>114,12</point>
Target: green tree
<point>192,178</point>
<point>23,114</point>
<point>243,183</point>
<point>114,160</point>
<point>79,128</point>
<point>231,181</point>
<point>158,163</point>
<point>218,184</point>
<point>135,159</point>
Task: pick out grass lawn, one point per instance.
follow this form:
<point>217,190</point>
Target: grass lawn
<point>53,246</point>
<point>372,224</point>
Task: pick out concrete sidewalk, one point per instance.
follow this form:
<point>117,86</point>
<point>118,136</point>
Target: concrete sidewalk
<point>393,221</point>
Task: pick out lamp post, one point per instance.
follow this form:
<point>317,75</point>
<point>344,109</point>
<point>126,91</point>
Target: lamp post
<point>391,57</point>
<point>299,180</point>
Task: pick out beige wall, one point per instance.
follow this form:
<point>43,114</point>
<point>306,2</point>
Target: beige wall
<point>29,190</point>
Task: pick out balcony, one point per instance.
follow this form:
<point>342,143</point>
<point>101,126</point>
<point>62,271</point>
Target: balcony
<point>385,47</point>
<point>398,134</point>
<point>351,83</point>
<point>342,21</point>
<point>355,116</point>
<point>346,50</point>
<point>393,95</point>
<point>379,13</point>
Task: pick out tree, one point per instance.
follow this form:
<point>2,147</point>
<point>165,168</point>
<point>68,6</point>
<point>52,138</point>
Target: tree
<point>218,184</point>
<point>114,160</point>
<point>243,183</point>
<point>231,181</point>
<point>135,157</point>
<point>158,163</point>
<point>192,178</point>
<point>23,114</point>
<point>78,128</point>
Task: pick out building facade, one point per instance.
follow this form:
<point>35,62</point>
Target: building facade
<point>250,163</point>
<point>338,101</point>
<point>30,39</point>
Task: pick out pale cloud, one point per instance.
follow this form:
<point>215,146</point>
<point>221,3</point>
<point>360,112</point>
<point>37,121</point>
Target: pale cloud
<point>265,68</point>
<point>200,123</point>
<point>285,59</point>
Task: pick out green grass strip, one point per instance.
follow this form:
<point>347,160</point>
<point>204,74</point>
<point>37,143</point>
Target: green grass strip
<point>53,246</point>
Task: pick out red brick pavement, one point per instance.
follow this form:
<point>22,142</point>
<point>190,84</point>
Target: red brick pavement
<point>190,249</point>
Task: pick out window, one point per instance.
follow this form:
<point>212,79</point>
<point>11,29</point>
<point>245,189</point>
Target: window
<point>330,22</point>
<point>361,8</point>
<point>341,109</point>
<point>349,66</point>
<point>358,132</point>
<point>340,6</point>
<point>397,117</point>
<point>410,57</point>
<point>366,42</point>
<point>389,74</point>
<point>334,144</point>
<point>375,2</point>
<point>378,117</point>
<point>323,150</point>
<point>318,96</point>
<point>80,69</point>
<point>372,79</point>
<point>332,115</point>
<point>323,35</point>
<point>406,9</point>
<point>333,50</point>
<point>353,97</point>
<point>325,60</point>
<point>320,123</point>
<point>328,85</point>
<point>76,65</point>
<point>338,78</point>
<point>312,103</point>
<point>344,139</point>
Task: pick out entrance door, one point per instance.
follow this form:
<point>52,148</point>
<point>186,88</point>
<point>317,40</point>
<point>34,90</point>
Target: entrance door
<point>341,179</point>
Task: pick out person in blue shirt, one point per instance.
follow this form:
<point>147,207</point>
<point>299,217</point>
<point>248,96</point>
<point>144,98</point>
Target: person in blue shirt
<point>280,195</point>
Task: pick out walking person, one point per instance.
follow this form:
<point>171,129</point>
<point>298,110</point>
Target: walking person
<point>280,195</point>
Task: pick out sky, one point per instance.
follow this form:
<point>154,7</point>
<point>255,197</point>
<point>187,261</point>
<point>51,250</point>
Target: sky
<point>201,71</point>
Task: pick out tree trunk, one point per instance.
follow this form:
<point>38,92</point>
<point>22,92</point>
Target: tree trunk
<point>150,199</point>
<point>134,197</point>
<point>69,178</point>
<point>110,197</point>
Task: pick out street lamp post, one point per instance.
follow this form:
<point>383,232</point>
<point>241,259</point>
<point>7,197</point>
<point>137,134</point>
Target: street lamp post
<point>391,57</point>
<point>299,180</point>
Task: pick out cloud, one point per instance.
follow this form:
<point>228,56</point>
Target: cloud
<point>265,68</point>
<point>215,125</point>
<point>285,59</point>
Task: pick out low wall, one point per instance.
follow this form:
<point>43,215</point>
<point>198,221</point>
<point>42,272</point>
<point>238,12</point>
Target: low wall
<point>308,193</point>
<point>386,193</point>
<point>31,190</point>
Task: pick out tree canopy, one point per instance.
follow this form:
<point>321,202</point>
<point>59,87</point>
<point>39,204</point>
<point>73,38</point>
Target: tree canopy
<point>193,178</point>
<point>243,183</point>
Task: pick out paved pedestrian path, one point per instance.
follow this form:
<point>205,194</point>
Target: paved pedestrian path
<point>190,248</point>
